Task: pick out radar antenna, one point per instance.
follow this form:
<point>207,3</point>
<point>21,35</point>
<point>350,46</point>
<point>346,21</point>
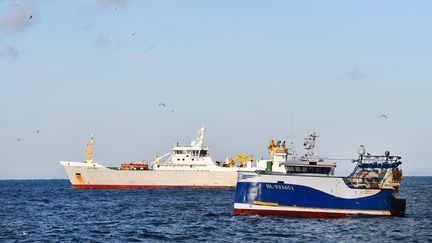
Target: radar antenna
<point>309,145</point>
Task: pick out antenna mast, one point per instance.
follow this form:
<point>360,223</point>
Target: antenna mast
<point>89,150</point>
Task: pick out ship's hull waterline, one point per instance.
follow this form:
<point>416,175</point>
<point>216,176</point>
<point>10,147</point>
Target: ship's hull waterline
<point>307,212</point>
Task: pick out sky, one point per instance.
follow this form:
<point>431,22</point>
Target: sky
<point>248,71</point>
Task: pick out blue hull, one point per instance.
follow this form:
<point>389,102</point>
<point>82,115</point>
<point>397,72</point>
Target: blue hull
<point>286,197</point>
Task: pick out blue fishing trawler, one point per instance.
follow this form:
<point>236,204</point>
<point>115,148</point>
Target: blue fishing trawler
<point>306,186</point>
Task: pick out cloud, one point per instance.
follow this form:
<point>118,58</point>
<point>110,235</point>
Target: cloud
<point>100,6</point>
<point>103,40</point>
<point>357,74</point>
<point>9,52</point>
<point>17,18</point>
<point>112,3</point>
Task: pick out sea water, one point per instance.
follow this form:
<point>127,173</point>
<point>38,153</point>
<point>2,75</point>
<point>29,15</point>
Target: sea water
<point>49,210</point>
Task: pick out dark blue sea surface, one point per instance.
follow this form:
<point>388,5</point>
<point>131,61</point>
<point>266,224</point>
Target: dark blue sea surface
<point>48,210</point>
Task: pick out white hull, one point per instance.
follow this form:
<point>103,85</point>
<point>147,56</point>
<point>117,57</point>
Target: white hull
<point>93,175</point>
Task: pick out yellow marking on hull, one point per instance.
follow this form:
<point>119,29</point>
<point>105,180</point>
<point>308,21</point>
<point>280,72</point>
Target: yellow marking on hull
<point>265,203</point>
<point>79,179</point>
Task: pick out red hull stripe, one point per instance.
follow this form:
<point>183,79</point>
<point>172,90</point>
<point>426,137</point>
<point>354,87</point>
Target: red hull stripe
<point>84,186</point>
<point>292,213</point>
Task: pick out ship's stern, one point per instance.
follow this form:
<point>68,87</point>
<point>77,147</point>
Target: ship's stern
<point>398,207</point>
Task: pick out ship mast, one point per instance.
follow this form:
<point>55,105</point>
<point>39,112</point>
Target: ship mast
<point>89,150</point>
<point>309,145</point>
<point>198,142</point>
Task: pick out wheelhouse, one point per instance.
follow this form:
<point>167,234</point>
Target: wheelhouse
<point>310,168</point>
<point>189,152</point>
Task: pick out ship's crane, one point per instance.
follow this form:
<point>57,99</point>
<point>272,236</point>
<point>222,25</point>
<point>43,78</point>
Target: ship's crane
<point>242,159</point>
<point>278,147</point>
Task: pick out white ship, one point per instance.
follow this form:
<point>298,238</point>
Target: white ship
<point>184,166</point>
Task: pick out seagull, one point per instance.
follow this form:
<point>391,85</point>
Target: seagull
<point>383,116</point>
<point>162,104</point>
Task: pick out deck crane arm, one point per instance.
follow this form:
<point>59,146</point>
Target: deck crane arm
<point>242,159</point>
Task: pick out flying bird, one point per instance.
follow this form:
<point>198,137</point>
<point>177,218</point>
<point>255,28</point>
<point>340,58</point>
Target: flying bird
<point>151,47</point>
<point>18,139</point>
<point>37,131</point>
<point>162,104</point>
<point>134,33</point>
<point>383,116</point>
<point>31,16</point>
<point>172,110</point>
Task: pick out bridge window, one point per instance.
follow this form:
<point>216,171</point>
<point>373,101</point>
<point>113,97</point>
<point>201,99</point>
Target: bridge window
<point>307,169</point>
<point>203,153</point>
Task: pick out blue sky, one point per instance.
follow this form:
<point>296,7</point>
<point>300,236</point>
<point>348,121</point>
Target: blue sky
<point>247,70</point>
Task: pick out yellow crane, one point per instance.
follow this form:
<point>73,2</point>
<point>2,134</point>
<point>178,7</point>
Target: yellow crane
<point>242,159</point>
<point>278,147</point>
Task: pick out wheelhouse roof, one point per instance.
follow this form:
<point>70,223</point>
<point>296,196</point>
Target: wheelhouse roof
<point>309,165</point>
